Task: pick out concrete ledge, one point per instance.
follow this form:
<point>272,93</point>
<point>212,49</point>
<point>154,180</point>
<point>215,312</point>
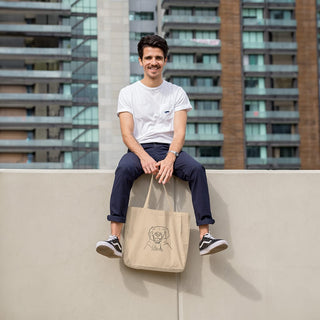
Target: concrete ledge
<point>51,220</point>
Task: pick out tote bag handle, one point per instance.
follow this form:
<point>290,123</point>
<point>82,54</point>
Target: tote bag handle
<point>146,203</point>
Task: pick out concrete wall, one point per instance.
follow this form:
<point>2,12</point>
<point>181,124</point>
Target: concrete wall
<point>51,220</point>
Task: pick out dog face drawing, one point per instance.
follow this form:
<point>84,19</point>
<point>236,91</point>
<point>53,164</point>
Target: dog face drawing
<point>158,238</point>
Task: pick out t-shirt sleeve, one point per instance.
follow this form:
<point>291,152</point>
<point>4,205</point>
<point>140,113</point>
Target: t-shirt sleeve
<point>182,101</point>
<point>124,104</point>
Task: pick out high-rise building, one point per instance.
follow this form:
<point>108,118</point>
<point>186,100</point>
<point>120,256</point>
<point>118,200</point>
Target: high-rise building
<point>48,84</point>
<point>250,68</point>
<point>251,71</point>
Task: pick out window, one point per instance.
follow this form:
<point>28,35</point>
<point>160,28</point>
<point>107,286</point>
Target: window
<point>209,58</point>
<point>135,77</point>
<point>182,34</point>
<point>134,58</point>
<point>140,15</point>
<point>182,58</point>
<point>181,81</point>
<point>207,105</point>
<point>138,35</point>
<point>206,35</point>
<point>205,12</point>
<point>253,152</point>
<point>208,128</point>
<point>209,151</point>
<point>282,128</point>
<point>251,36</point>
<point>181,11</point>
<point>254,82</point>
<point>253,59</point>
<point>254,105</point>
<point>281,14</point>
<point>252,13</point>
<point>253,129</point>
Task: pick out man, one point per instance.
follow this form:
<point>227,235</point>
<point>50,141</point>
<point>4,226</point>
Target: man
<point>153,118</point>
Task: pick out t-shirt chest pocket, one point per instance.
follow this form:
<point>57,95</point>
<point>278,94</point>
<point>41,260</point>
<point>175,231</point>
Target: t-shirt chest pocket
<point>166,113</point>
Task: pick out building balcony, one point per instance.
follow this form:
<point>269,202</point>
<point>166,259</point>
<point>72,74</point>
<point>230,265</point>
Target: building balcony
<point>199,69</point>
<point>36,165</point>
<point>29,123</point>
<point>166,4</point>
<point>31,30</point>
<point>270,47</point>
<point>274,139</point>
<point>23,7</point>
<point>34,145</point>
<point>272,4</point>
<point>208,114</point>
<point>269,24</point>
<point>34,99</point>
<point>190,23</point>
<point>35,54</point>
<point>218,137</point>
<point>272,163</point>
<point>271,70</point>
<point>29,77</point>
<point>272,93</point>
<point>48,144</point>
<point>203,92</point>
<point>274,116</point>
<point>210,162</point>
<point>194,45</point>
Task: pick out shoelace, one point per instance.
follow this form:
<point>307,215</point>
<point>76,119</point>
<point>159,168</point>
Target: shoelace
<point>112,238</point>
<point>208,235</point>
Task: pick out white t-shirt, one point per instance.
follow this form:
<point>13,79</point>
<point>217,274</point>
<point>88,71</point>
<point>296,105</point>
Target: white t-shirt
<point>153,109</point>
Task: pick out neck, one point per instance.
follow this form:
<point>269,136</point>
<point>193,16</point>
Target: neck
<point>152,83</point>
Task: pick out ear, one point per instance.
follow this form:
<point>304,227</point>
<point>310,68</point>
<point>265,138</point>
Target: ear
<point>140,61</point>
<point>165,60</point>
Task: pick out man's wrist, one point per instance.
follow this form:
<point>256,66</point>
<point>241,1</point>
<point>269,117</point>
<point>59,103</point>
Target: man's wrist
<point>174,152</point>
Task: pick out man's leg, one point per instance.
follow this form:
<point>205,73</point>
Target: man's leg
<point>128,170</point>
<point>188,169</point>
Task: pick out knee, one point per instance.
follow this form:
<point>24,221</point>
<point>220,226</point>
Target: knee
<point>197,169</point>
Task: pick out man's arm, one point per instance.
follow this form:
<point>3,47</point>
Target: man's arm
<point>127,125</point>
<point>166,165</point>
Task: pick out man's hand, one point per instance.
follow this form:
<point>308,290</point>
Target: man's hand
<point>165,168</point>
<point>149,165</point>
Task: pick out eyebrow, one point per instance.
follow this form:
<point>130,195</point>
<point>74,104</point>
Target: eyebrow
<point>157,57</point>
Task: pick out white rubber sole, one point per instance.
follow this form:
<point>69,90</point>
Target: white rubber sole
<point>106,249</point>
<point>215,247</point>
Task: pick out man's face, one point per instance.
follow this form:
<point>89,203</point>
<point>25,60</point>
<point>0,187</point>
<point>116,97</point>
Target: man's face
<point>152,62</point>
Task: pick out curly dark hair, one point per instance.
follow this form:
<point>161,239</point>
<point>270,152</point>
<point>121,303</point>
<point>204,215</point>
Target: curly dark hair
<point>153,41</point>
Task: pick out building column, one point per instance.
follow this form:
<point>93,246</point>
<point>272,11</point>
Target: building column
<point>231,82</point>
<point>307,60</point>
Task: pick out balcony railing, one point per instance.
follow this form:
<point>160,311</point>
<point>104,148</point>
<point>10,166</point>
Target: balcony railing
<point>193,66</point>
<point>36,165</point>
<point>219,161</point>
<point>35,30</point>
<point>205,113</point>
<point>272,46</point>
<point>292,93</point>
<point>11,53</point>
<point>33,145</point>
<point>271,69</point>
<point>270,1</point>
<point>274,161</point>
<point>272,115</point>
<point>33,99</point>
<point>180,3</point>
<point>34,7</point>
<point>273,138</point>
<point>204,137</point>
<point>203,90</point>
<point>35,122</point>
<point>272,23</point>
<point>30,77</point>
<point>191,19</point>
<point>194,43</point>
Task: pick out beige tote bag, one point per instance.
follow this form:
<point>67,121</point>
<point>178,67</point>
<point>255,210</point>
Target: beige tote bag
<point>156,239</point>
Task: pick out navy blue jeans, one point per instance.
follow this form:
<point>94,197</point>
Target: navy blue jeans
<point>185,168</point>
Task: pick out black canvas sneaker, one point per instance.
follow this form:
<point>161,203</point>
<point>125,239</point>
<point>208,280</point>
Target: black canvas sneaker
<point>209,244</point>
<point>111,248</point>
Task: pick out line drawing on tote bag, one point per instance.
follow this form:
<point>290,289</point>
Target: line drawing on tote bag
<point>158,238</point>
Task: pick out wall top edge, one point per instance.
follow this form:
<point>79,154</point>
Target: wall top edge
<point>209,171</point>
